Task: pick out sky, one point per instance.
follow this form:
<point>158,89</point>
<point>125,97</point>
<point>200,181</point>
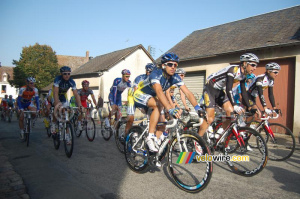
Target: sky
<point>72,27</point>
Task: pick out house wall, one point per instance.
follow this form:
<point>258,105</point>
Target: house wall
<point>213,64</point>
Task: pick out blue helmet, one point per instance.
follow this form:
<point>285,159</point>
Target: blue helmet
<point>126,72</point>
<point>169,57</point>
<point>150,67</point>
<point>65,69</point>
<point>250,76</point>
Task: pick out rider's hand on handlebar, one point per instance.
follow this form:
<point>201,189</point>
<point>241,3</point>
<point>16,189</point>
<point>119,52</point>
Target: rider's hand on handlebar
<point>175,112</point>
<point>278,111</point>
<point>268,111</point>
<point>238,109</point>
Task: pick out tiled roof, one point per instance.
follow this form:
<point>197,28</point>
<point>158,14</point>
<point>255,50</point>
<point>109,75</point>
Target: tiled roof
<point>106,61</point>
<point>276,28</point>
<point>8,70</point>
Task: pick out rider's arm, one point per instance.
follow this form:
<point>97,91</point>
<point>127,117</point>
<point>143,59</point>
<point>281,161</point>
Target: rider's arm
<point>244,94</point>
<point>271,97</point>
<point>55,95</point>
<point>37,99</point>
<point>161,96</point>
<point>189,95</point>
<point>169,98</point>
<point>261,96</point>
<point>229,85</point>
<point>182,96</point>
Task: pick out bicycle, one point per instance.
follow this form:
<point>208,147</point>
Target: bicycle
<point>238,140</point>
<point>280,139</point>
<point>88,124</point>
<point>190,176</point>
<point>28,125</point>
<point>65,130</point>
<point>49,123</point>
<point>117,129</point>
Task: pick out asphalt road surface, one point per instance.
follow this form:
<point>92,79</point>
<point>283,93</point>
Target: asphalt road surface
<point>98,170</point>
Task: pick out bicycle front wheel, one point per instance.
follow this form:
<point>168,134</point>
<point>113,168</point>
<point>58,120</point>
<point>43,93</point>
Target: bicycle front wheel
<point>106,132</point>
<point>90,130</point>
<point>28,131</point>
<point>68,139</point>
<point>120,136</point>
<point>76,129</point>
<point>249,158</point>
<point>184,163</point>
<point>282,145</point>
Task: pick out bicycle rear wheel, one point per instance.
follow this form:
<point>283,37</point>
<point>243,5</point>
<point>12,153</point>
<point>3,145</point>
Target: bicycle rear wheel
<point>249,159</point>
<point>184,165</point>
<point>90,129</point>
<point>282,145</point>
<point>137,156</point>
<point>56,139</point>
<point>68,139</point>
<point>106,132</point>
<point>120,134</point>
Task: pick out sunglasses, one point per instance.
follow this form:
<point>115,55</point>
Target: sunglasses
<point>182,75</point>
<point>85,85</point>
<point>127,76</point>
<point>171,65</point>
<point>31,83</point>
<point>66,73</point>
<point>275,72</point>
<point>253,65</point>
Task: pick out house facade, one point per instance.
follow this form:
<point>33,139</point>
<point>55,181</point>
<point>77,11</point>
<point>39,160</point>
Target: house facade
<point>273,37</point>
<point>6,74</point>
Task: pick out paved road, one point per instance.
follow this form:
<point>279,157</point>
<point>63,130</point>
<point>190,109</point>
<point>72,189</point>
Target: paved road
<point>98,170</point>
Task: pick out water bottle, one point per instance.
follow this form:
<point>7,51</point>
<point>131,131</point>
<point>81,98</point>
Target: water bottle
<point>219,133</point>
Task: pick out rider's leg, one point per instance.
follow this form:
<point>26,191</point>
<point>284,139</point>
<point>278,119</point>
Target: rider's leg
<point>210,112</point>
<point>161,118</point>
<point>151,139</point>
<point>228,109</point>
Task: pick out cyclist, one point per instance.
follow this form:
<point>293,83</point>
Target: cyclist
<point>218,89</point>
<point>150,94</point>
<point>25,96</point>
<point>61,85</point>
<point>115,95</point>
<point>130,106</point>
<point>49,102</point>
<point>4,106</point>
<point>181,74</point>
<point>237,89</point>
<point>262,82</point>
<point>84,93</point>
<point>73,102</point>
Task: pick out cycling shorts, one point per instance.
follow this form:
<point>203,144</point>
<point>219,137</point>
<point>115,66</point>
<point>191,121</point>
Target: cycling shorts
<point>25,105</point>
<point>141,99</point>
<point>84,104</point>
<point>118,100</point>
<point>213,96</point>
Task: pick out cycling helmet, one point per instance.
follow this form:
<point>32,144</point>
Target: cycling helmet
<point>249,57</point>
<point>31,79</point>
<point>150,67</point>
<point>10,96</point>
<point>169,57</point>
<point>180,71</point>
<point>250,76</point>
<point>273,66</point>
<point>65,69</point>
<point>5,96</point>
<point>85,82</point>
<point>126,72</point>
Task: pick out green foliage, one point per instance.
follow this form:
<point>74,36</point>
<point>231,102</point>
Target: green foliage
<point>38,61</point>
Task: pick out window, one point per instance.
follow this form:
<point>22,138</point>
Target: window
<point>3,89</point>
<point>4,77</point>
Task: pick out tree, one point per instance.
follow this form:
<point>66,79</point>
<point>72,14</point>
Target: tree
<point>38,61</point>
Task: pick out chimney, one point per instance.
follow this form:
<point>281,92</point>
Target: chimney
<point>87,54</point>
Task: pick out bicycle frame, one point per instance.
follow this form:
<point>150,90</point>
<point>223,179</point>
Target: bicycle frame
<point>265,124</point>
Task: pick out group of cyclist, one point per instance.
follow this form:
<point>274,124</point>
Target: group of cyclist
<point>154,91</point>
<point>7,105</point>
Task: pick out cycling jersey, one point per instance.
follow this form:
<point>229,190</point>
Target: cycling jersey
<point>115,95</point>
<point>73,102</point>
<point>63,87</point>
<point>11,103</point>
<point>4,103</point>
<point>260,83</point>
<point>236,92</point>
<point>223,81</point>
<point>130,104</point>
<point>84,95</point>
<point>25,96</point>
<point>145,88</point>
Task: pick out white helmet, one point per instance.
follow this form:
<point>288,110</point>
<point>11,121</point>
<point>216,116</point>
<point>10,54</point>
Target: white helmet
<point>272,66</point>
<point>180,71</point>
<point>31,79</point>
<point>249,57</point>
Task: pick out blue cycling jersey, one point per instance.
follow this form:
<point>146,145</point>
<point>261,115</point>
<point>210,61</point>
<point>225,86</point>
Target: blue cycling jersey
<point>138,79</point>
<point>63,87</point>
<point>117,89</point>
<point>159,77</point>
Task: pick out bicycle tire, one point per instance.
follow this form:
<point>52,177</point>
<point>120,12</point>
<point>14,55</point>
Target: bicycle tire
<point>90,130</point>
<point>28,131</point>
<point>284,144</point>
<point>119,131</point>
<point>137,159</point>
<point>258,155</point>
<point>189,174</point>
<point>56,139</point>
<point>106,133</point>
<point>68,144</point>
<point>76,130</point>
